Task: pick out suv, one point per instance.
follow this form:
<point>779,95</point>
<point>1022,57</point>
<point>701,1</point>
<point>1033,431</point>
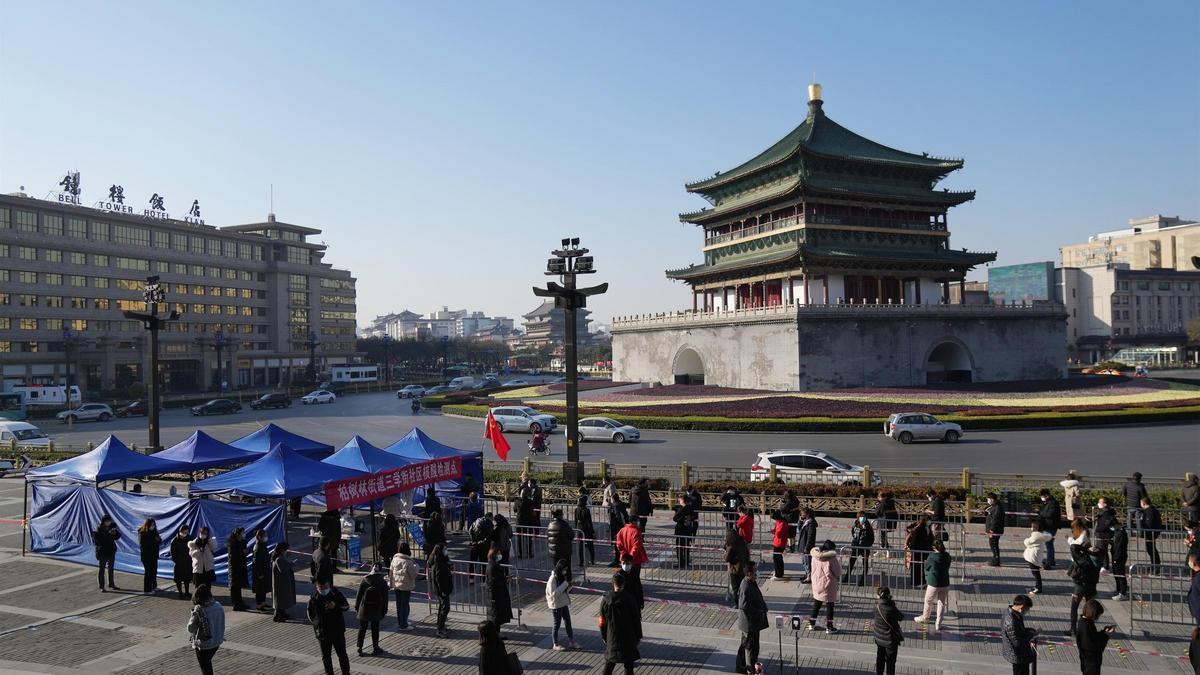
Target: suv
<point>275,399</point>
<point>522,418</point>
<point>87,411</point>
<point>411,391</point>
<point>807,466</point>
<point>217,406</point>
<point>139,407</point>
<point>909,427</point>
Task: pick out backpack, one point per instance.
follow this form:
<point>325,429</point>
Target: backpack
<point>204,631</point>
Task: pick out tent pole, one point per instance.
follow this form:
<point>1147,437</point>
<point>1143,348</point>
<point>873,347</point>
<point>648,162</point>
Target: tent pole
<point>24,517</point>
<point>374,539</point>
<point>285,523</point>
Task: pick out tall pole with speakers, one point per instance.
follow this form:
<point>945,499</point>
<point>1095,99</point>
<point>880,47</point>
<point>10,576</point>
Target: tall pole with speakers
<point>312,356</point>
<point>154,296</point>
<point>387,358</point>
<point>569,261</point>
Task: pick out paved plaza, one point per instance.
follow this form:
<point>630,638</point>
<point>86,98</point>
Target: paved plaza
<point>53,620</point>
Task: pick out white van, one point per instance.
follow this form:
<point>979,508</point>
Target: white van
<point>24,433</point>
<point>49,395</point>
<point>459,383</point>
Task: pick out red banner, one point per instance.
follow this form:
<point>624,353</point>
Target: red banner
<point>360,490</point>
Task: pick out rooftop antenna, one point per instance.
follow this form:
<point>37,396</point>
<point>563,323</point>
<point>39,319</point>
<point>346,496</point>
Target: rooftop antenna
<point>271,213</point>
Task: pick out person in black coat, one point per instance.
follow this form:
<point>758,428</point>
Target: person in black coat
<point>389,539</point>
<point>1050,514</point>
<point>752,620</point>
<point>862,538</point>
<point>493,656</point>
<point>434,531</point>
<point>583,523</point>
<point>560,538</point>
<point>737,554</point>
<point>321,565</point>
<point>886,515</point>
<point>433,503</point>
<point>527,520</point>
<point>1016,643</point>
<point>502,537</point>
<point>643,505</point>
<point>235,548</point>
<point>1091,642</point>
<point>1085,573</point>
<point>936,512</point>
<point>618,515</point>
<point>994,526</point>
<point>370,606</point>
<point>1152,525</point>
<point>791,513</point>
<point>181,560</point>
<point>481,540</point>
<point>325,613</point>
<point>731,503</point>
<point>1119,550</point>
<point>1135,492</point>
<point>105,539</point>
<point>918,542</point>
<point>499,601</point>
<point>685,520</point>
<point>330,526</point>
<point>1105,517</point>
<point>885,628</point>
<point>260,570</point>
<point>441,582</point>
<point>620,627</point>
<point>148,545</point>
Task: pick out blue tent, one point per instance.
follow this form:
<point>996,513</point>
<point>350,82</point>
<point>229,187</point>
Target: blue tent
<point>282,473</point>
<point>268,437</point>
<point>111,460</point>
<point>417,445</point>
<point>360,455</point>
<point>201,451</point>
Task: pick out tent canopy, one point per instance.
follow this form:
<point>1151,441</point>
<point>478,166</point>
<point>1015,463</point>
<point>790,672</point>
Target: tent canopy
<point>268,437</point>
<point>416,444</point>
<point>111,460</point>
<point>282,473</point>
<point>360,455</point>
<point>201,451</point>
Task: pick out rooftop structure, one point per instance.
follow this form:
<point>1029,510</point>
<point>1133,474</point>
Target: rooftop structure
<point>1157,242</point>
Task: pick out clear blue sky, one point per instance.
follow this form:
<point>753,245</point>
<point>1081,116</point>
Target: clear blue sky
<point>444,148</point>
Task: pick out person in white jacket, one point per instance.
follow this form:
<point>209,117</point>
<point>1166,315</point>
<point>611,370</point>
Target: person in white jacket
<point>558,587</point>
<point>1072,497</point>
<point>1035,553</point>
<point>402,577</point>
<point>201,551</point>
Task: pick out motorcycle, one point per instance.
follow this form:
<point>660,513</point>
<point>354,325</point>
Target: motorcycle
<point>536,449</point>
<point>416,406</point>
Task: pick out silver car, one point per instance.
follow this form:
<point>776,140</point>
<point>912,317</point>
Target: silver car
<point>606,429</point>
<point>522,418</point>
<point>87,411</point>
<point>915,426</point>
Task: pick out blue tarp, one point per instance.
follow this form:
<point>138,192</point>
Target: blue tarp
<point>417,445</point>
<point>64,516</point>
<point>111,460</point>
<point>281,474</point>
<point>360,455</point>
<point>201,451</point>
<point>266,438</point>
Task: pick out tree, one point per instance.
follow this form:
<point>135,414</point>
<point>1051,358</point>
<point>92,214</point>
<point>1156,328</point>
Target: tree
<point>1193,329</point>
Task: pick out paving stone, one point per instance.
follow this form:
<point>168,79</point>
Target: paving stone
<point>168,613</point>
<point>63,643</point>
<point>68,595</point>
<point>9,621</point>
<point>30,571</point>
<point>227,660</point>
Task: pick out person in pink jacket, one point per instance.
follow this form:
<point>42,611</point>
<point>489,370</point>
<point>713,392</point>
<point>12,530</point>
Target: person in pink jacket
<point>826,581</point>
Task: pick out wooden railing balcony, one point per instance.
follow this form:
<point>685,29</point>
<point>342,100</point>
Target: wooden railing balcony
<point>792,221</point>
<point>799,312</point>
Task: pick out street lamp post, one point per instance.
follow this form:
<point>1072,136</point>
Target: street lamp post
<point>68,346</point>
<point>151,321</point>
<point>387,358</point>
<point>219,342</point>
<point>567,262</point>
<point>312,356</point>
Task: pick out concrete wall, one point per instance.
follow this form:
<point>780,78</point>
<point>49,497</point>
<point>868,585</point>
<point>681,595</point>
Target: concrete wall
<point>756,356</point>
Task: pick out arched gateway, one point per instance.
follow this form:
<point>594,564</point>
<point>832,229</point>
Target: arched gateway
<point>688,367</point>
<point>948,362</point>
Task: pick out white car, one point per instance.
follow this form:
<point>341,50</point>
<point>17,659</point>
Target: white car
<point>806,466</point>
<point>606,429</point>
<point>24,433</point>
<point>411,391</point>
<point>87,411</point>
<point>523,418</point>
<point>915,426</point>
<point>517,383</point>
<point>318,396</point>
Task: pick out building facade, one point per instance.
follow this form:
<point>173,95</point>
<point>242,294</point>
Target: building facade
<point>547,326</point>
<point>446,322</point>
<point>258,291</point>
<point>827,263</point>
<point>1157,242</point>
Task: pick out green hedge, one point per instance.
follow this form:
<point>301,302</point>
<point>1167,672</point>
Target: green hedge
<point>827,490</point>
<point>762,424</point>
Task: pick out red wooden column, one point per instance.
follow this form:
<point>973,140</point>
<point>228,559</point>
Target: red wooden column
<point>825,287</point>
<point>805,278</point>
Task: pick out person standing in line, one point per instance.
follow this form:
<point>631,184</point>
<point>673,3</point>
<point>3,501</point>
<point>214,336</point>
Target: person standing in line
<point>558,600</point>
<point>200,550</point>
<point>206,627</point>
<point>631,542</point>
<point>370,606</point>
<point>618,515</point>
<point>235,550</point>
<point>779,542</point>
<point>441,581</point>
<point>402,577</point>
<point>433,503</point>
<point>326,609</point>
<point>685,521</point>
<point>1035,553</point>
<point>586,529</point>
<point>1191,539</point>
<point>886,516</point>
<point>1135,492</point>
<point>502,537</point>
<point>105,539</point>
<point>1152,525</point>
<point>826,579</point>
<point>329,525</point>
<point>633,581</point>
<point>752,619</point>
<point>937,585</point>
<point>181,561</point>
<point>1106,515</point>
<point>535,492</point>
<point>936,510</point>
<point>806,541</point>
<point>609,495</point>
<point>148,545</point>
<point>1189,496</point>
<point>435,531</point>
<point>1085,573</point>
<point>481,542</point>
<point>526,520</point>
<point>791,513</point>
<point>560,539</point>
<point>499,601</point>
<point>737,554</point>
<point>1119,548</point>
<point>283,582</point>
<point>885,628</point>
<point>389,538</point>
<point>1090,641</point>
<point>1072,496</point>
<point>994,525</point>
<point>643,506</point>
<point>745,525</point>
<point>620,627</point>
<point>1050,515</point>
<point>918,542</point>
<point>731,506</point>
<point>1193,599</point>
<point>260,570</point>
<point>493,656</point>
<point>473,510</point>
<point>1016,644</point>
<point>321,564</point>
<point>862,538</point>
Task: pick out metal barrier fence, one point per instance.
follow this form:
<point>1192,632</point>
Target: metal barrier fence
<point>1158,593</point>
<point>1158,547</point>
<point>470,594</point>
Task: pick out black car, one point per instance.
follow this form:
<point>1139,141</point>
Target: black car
<point>217,406</point>
<point>135,408</point>
<point>276,399</point>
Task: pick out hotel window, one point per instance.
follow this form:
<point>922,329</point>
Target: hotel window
<point>5,323</point>
<point>179,242</point>
<point>181,289</point>
<point>52,225</point>
<point>298,282</point>
<point>77,228</point>
<point>28,324</point>
<point>298,298</point>
<point>1122,285</point>
<point>5,221</point>
<point>231,310</point>
<point>179,268</point>
<point>129,285</point>
<point>5,346</point>
<point>53,301</point>
<point>245,276</point>
<point>52,255</point>
<point>197,270</point>
<point>1164,285</point>
<point>100,231</point>
<point>131,305</point>
<point>27,253</point>
<point>78,280</point>
<point>214,247</point>
<point>196,244</point>
<point>100,303</point>
<point>26,221</point>
<point>3,250</point>
<point>53,324</point>
<point>247,294</point>
<point>231,292</point>
<point>100,282</point>
<point>1143,285</point>
<point>79,303</point>
<point>299,256</point>
<point>100,260</point>
<point>26,300</point>
<point>78,324</point>
<point>5,298</point>
<point>244,251</point>
<point>52,278</point>
<point>197,309</point>
<point>78,258</point>
<point>136,236</point>
<point>1185,285</point>
<point>162,267</point>
<point>161,239</point>
<point>214,309</point>
<point>229,249</point>
<point>102,325</point>
<point>247,311</point>
<point>133,264</point>
<point>230,274</point>
<point>214,291</point>
<point>197,290</point>
<point>27,277</point>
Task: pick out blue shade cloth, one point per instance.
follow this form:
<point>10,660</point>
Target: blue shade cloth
<point>417,445</point>
<point>280,474</point>
<point>268,437</point>
<point>111,460</point>
<point>360,455</point>
<point>64,516</point>
<point>201,451</point>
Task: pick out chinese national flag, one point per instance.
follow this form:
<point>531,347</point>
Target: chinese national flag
<point>491,431</point>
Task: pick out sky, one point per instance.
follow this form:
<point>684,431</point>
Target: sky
<point>445,148</point>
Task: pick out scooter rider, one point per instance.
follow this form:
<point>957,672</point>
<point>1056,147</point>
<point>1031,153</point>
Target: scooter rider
<point>416,405</point>
<point>538,442</point>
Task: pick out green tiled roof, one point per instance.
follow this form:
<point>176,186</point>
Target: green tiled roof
<point>901,254</point>
<point>693,271</point>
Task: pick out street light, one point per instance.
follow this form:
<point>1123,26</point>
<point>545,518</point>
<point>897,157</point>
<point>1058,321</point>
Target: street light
<point>567,262</point>
<point>154,295</point>
<point>387,358</point>
<point>312,356</point>
<point>68,345</point>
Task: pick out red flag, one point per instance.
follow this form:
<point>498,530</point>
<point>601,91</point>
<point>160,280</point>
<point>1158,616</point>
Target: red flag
<point>491,431</point>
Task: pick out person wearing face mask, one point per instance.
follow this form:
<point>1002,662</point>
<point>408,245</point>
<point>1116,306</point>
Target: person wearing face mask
<point>752,619</point>
<point>1090,641</point>
<point>1193,598</point>
<point>994,525</point>
<point>148,544</point>
<point>1119,548</point>
<point>937,585</point>
<point>499,600</point>
<point>1105,517</point>
<point>283,582</point>
<point>260,570</point>
<point>235,549</point>
<point>1016,644</point>
<point>326,610</point>
<point>371,605</point>
<point>1050,515</point>
<point>885,628</point>
<point>200,550</point>
<point>737,554</point>
<point>1035,553</point>
<point>1085,573</point>
<point>182,562</point>
<point>862,538</point>
<point>1072,496</point>
<point>779,542</point>
<point>633,580</point>
<point>105,539</point>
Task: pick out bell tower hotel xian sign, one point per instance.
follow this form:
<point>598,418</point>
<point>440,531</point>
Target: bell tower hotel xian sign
<point>362,489</point>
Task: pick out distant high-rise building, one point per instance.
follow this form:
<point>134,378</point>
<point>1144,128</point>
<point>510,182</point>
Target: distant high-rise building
<point>547,325</point>
<point>1157,242</point>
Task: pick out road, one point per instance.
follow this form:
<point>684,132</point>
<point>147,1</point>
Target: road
<point>1160,450</point>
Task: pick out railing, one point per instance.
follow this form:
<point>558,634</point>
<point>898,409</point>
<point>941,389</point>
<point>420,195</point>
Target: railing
<point>763,228</point>
<point>834,309</point>
<point>1158,593</point>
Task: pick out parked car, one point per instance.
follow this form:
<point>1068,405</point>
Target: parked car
<point>411,391</point>
<point>517,383</point>
<point>606,429</point>
<point>909,427</point>
<point>275,399</point>
<point>217,406</point>
<point>87,411</point>
<point>523,418</point>
<point>333,387</point>
<point>441,389</point>
<point>806,466</point>
<point>23,433</point>
<point>318,396</point>
<point>139,407</point>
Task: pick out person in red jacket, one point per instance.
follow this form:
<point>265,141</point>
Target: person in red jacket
<point>629,541</point>
<point>745,525</point>
<point>779,542</point>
